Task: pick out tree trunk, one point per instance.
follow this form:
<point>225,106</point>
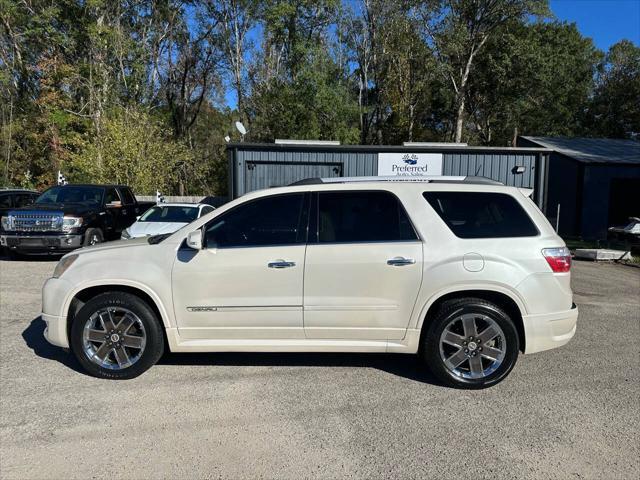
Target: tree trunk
<point>412,109</point>
<point>459,120</point>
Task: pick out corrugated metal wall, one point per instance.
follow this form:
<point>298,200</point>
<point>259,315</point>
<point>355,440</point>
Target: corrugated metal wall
<point>255,169</point>
<point>495,166</point>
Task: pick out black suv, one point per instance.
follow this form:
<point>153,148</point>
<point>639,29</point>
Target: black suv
<point>66,217</point>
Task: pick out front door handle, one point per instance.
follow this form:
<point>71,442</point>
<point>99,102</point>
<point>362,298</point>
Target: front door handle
<point>281,264</point>
<point>400,261</point>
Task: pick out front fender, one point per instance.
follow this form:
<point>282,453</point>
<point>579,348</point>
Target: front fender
<point>166,318</point>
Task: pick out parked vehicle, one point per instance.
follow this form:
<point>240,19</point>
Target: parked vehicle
<point>66,217</point>
<point>11,198</point>
<point>627,233</point>
<point>165,218</point>
<point>465,272</point>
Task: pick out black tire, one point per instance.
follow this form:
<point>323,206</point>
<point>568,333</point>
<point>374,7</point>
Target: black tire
<point>154,345</point>
<point>93,236</point>
<point>449,311</point>
<point>13,255</point>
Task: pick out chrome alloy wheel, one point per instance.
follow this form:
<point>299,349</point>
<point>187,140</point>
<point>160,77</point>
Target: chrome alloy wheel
<point>94,240</point>
<point>114,338</point>
<point>472,346</point>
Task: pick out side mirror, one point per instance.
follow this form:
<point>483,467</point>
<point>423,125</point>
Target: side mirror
<point>194,240</point>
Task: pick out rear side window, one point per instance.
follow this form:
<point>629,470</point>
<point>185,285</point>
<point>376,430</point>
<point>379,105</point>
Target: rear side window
<point>361,216</point>
<point>127,196</point>
<point>206,210</point>
<point>482,215</point>
<point>111,196</point>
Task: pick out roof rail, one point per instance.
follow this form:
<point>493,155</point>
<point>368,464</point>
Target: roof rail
<point>428,179</point>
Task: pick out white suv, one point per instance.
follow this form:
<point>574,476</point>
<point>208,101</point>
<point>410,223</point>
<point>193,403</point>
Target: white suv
<point>465,272</point>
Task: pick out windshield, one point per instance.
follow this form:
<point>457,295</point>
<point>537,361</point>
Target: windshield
<point>71,194</point>
<point>170,214</point>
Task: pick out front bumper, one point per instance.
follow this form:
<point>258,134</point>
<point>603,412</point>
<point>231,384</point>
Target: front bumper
<point>34,243</point>
<point>54,294</point>
<point>56,330</point>
<point>549,330</point>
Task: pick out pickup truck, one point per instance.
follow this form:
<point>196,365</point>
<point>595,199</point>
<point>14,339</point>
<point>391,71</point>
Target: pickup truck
<point>66,217</point>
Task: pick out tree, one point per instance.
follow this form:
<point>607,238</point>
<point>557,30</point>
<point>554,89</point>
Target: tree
<point>137,151</point>
<point>458,31</point>
<point>405,79</point>
<point>531,79</point>
<point>316,105</point>
<point>234,20</point>
<point>614,110</point>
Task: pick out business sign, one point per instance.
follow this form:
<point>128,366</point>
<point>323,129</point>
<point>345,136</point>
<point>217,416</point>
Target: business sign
<point>409,164</point>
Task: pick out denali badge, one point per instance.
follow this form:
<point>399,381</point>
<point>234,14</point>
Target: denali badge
<point>202,309</point>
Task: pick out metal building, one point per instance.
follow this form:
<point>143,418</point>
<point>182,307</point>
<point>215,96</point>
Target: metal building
<point>594,183</point>
<point>254,166</point>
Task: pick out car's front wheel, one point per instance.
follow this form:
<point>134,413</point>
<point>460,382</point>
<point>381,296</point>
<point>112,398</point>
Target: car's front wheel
<point>116,335</point>
<point>93,236</point>
<point>471,343</point>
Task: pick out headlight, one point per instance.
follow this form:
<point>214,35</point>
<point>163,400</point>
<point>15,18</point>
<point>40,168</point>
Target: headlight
<point>69,223</point>
<point>125,234</point>
<point>6,224</point>
<point>63,265</point>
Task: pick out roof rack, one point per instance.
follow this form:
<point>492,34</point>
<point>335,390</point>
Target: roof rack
<point>425,179</point>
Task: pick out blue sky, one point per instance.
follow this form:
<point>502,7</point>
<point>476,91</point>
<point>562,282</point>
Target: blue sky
<point>605,21</point>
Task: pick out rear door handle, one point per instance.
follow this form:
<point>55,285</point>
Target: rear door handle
<point>400,261</point>
<point>281,264</point>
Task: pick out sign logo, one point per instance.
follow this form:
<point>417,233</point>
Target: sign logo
<point>409,164</point>
<point>410,158</point>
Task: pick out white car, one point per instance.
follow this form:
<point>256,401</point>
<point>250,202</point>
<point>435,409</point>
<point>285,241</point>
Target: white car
<point>462,271</point>
<point>165,218</point>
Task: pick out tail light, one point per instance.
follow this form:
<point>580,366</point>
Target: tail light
<point>559,259</point>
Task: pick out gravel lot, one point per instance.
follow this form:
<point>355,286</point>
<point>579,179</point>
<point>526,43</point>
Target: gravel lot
<point>568,413</point>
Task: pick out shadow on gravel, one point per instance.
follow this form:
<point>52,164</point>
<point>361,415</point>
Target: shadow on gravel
<point>406,366</point>
<point>30,258</point>
<point>402,365</point>
<point>33,336</point>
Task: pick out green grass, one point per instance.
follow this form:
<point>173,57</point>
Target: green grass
<point>573,243</point>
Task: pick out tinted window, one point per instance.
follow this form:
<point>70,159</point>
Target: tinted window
<point>5,201</point>
<point>277,220</point>
<point>127,196</point>
<point>362,217</point>
<point>71,194</point>
<point>23,199</point>
<point>170,214</point>
<point>206,210</point>
<point>111,196</point>
<point>482,215</point>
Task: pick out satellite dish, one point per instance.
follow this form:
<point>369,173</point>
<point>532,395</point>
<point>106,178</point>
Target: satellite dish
<point>241,128</point>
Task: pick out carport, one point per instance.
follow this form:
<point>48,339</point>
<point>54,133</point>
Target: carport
<point>593,182</point>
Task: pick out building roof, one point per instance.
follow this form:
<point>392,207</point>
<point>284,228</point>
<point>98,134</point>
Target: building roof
<point>593,150</point>
<point>452,148</point>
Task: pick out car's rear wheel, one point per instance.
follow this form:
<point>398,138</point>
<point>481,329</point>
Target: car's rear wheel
<point>471,343</point>
<point>116,335</point>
